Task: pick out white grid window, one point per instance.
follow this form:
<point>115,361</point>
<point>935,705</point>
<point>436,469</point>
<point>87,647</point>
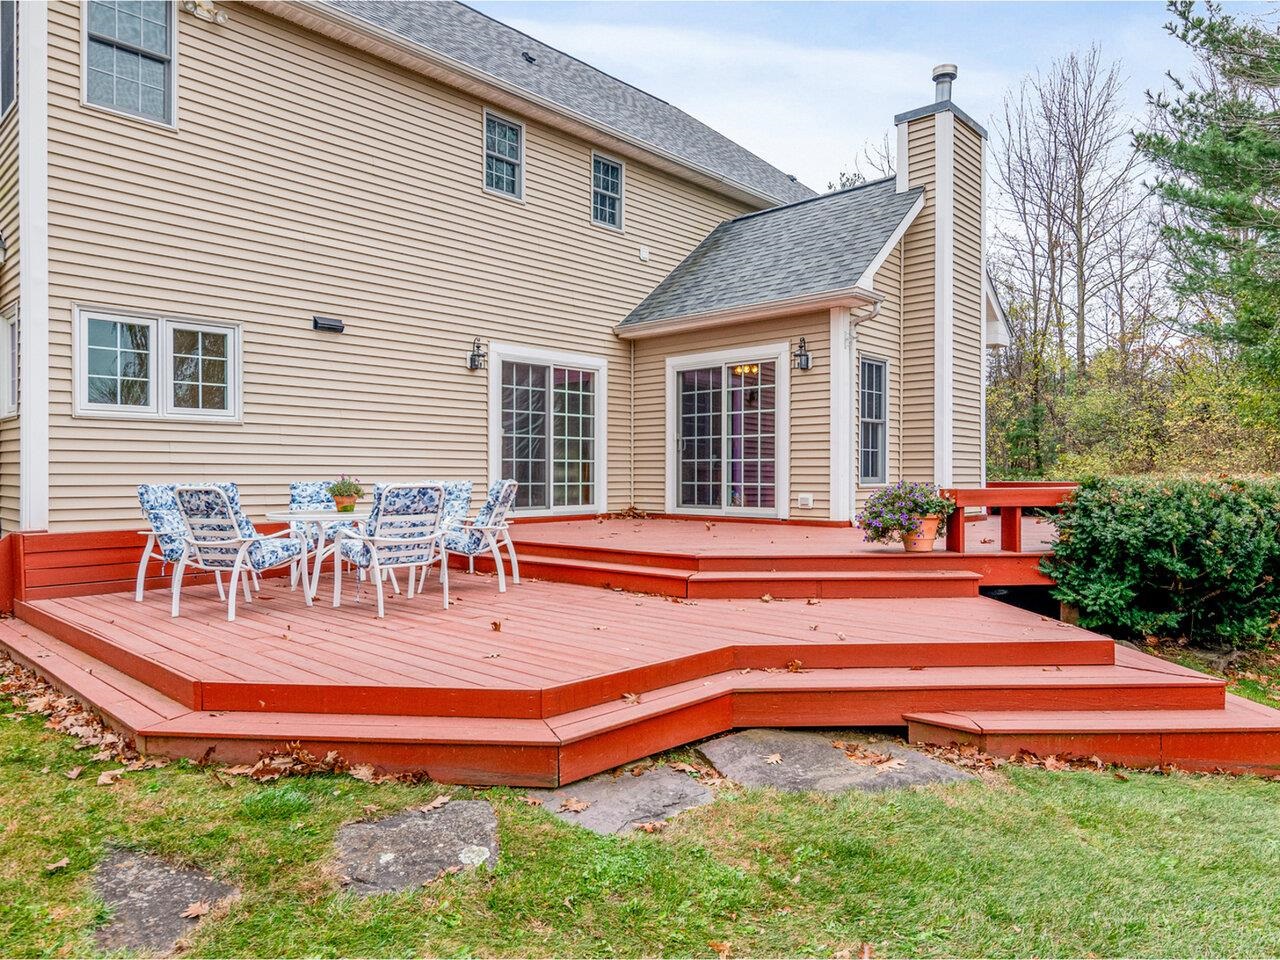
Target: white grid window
<point>129,54</point>
<point>503,156</point>
<point>873,416</point>
<point>156,366</point>
<point>701,477</point>
<point>549,433</point>
<point>9,363</point>
<point>751,422</point>
<point>606,192</point>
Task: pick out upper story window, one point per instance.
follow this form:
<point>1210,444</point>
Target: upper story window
<point>503,156</point>
<point>873,414</point>
<point>156,366</point>
<point>129,57</point>
<point>8,54</point>
<point>606,192</point>
<point>9,362</point>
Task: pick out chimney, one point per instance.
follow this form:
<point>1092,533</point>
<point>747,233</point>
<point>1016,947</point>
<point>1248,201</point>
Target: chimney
<point>941,151</point>
<point>943,74</point>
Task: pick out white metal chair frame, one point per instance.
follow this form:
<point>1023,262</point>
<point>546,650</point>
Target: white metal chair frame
<point>396,540</point>
<point>496,534</point>
<point>210,542</point>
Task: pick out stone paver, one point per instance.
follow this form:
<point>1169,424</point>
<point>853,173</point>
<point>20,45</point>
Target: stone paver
<point>147,896</point>
<point>618,804</point>
<point>806,760</point>
<point>409,849</point>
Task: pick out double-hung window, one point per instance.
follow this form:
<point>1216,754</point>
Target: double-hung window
<point>156,366</point>
<point>9,362</point>
<point>8,54</point>
<point>606,192</point>
<point>873,417</point>
<point>503,156</point>
<point>129,57</point>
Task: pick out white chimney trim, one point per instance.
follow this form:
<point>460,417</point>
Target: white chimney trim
<point>944,298</point>
<point>901,165</point>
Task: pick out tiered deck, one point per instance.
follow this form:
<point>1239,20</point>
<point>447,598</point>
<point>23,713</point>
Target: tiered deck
<point>575,679</point>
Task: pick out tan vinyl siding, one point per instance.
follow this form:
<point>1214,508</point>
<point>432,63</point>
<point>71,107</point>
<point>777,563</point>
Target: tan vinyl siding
<point>880,338</point>
<point>967,319</point>
<point>8,296</point>
<point>918,308</point>
<point>810,448</point>
<point>307,178</point>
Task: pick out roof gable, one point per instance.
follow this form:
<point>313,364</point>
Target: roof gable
<point>482,43</point>
<point>811,247</point>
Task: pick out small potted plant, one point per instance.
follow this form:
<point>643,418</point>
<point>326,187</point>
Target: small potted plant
<point>345,492</point>
<point>914,513</point>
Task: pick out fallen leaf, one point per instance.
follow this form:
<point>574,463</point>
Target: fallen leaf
<point>197,909</point>
<point>793,666</point>
<point>492,656</point>
<point>531,801</point>
<point>574,805</point>
<point>653,826</point>
<point>108,777</point>
<point>435,804</point>
<point>631,698</point>
<point>722,948</point>
<point>867,952</point>
<point>496,625</point>
<point>56,865</point>
<point>987,540</point>
<point>74,773</point>
<point>1121,777</point>
<point>767,598</point>
<point>363,772</point>
<point>773,758</point>
<point>812,602</point>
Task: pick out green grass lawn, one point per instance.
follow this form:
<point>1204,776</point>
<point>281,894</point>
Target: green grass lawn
<point>1030,863</point>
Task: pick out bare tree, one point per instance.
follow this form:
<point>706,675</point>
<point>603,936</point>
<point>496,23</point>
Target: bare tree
<point>873,163</point>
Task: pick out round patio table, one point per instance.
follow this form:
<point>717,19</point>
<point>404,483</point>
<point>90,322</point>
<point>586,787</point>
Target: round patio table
<point>318,520</point>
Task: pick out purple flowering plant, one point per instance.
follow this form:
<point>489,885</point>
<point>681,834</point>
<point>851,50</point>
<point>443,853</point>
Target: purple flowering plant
<point>896,510</point>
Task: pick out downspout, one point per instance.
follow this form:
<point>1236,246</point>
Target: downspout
<point>631,462</point>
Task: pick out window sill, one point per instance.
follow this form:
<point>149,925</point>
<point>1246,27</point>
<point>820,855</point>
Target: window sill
<point>512,197</point>
<point>88,414</point>
<point>121,114</point>
<point>620,230</point>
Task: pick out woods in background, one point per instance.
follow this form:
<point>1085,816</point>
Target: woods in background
<point>1140,274</point>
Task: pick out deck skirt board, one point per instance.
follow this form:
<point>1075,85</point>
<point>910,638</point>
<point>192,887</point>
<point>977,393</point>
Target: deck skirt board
<point>550,681</point>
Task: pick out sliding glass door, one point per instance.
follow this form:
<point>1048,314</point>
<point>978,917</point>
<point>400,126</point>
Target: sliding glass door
<point>727,442</point>
<point>549,434</point>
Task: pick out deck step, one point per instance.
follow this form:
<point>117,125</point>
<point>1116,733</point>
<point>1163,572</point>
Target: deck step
<point>667,581</point>
<point>845,584</point>
<point>1243,737</point>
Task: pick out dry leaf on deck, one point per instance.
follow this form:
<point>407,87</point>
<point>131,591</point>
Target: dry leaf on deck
<point>631,698</point>
<point>496,625</point>
<point>793,666</point>
<point>197,909</point>
<point>492,656</point>
<point>767,598</point>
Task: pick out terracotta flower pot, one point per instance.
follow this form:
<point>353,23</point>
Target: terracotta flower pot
<point>345,504</point>
<point>922,540</point>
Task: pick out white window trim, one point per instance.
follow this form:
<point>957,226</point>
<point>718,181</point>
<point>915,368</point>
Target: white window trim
<point>500,352</point>
<point>888,421</point>
<point>172,92</point>
<point>161,368</point>
<point>781,354</point>
<point>9,394</point>
<point>622,192</point>
<point>517,197</point>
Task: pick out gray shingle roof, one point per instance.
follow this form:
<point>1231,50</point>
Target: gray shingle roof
<point>810,247</point>
<point>468,36</point>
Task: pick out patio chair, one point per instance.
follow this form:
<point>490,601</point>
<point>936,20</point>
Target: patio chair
<point>219,537</point>
<point>314,495</point>
<point>457,503</point>
<point>403,530</point>
<point>488,532</point>
<point>166,540</point>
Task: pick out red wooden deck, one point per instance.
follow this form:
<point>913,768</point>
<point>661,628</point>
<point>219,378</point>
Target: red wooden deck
<point>579,679</point>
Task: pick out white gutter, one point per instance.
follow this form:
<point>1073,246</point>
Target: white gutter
<point>335,24</point>
<point>788,306</point>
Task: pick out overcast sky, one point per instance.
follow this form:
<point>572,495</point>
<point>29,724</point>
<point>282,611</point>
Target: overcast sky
<point>806,85</point>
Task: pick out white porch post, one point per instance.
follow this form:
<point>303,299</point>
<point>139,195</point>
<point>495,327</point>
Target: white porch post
<point>33,267</point>
<point>842,446</point>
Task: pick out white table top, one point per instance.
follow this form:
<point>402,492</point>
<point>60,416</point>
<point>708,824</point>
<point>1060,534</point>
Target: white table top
<point>319,516</point>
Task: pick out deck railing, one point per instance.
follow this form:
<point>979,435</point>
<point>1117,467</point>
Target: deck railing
<point>1010,499</point>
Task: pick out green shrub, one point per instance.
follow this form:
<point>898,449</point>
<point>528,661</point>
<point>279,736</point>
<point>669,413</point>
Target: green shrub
<point>1181,558</point>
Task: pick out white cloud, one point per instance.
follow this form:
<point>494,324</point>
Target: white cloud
<point>808,110</point>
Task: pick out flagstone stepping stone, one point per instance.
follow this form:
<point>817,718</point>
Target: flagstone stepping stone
<point>153,903</point>
<point>803,760</point>
<point>620,803</point>
<point>415,847</point>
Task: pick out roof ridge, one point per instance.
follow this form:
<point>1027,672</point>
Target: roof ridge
<point>822,196</point>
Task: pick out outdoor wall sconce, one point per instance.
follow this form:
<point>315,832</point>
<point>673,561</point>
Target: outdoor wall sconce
<point>327,324</point>
<point>477,358</point>
<point>802,359</point>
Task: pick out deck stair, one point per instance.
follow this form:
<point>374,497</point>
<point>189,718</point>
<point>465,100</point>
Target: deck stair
<point>1086,697</point>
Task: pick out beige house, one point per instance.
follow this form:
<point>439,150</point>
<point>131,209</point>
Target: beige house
<point>273,241</point>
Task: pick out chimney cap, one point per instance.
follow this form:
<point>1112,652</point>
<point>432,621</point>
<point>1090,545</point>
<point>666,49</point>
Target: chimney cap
<point>944,71</point>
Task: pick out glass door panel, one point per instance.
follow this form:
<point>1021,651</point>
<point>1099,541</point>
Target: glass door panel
<point>751,427</point>
<point>701,437</point>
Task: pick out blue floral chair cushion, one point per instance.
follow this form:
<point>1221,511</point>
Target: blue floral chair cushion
<point>222,520</point>
<point>457,503</point>
<point>471,540</point>
<point>399,501</point>
<point>160,507</point>
<point>315,495</point>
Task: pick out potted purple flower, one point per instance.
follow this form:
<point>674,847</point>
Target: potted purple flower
<point>914,513</point>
